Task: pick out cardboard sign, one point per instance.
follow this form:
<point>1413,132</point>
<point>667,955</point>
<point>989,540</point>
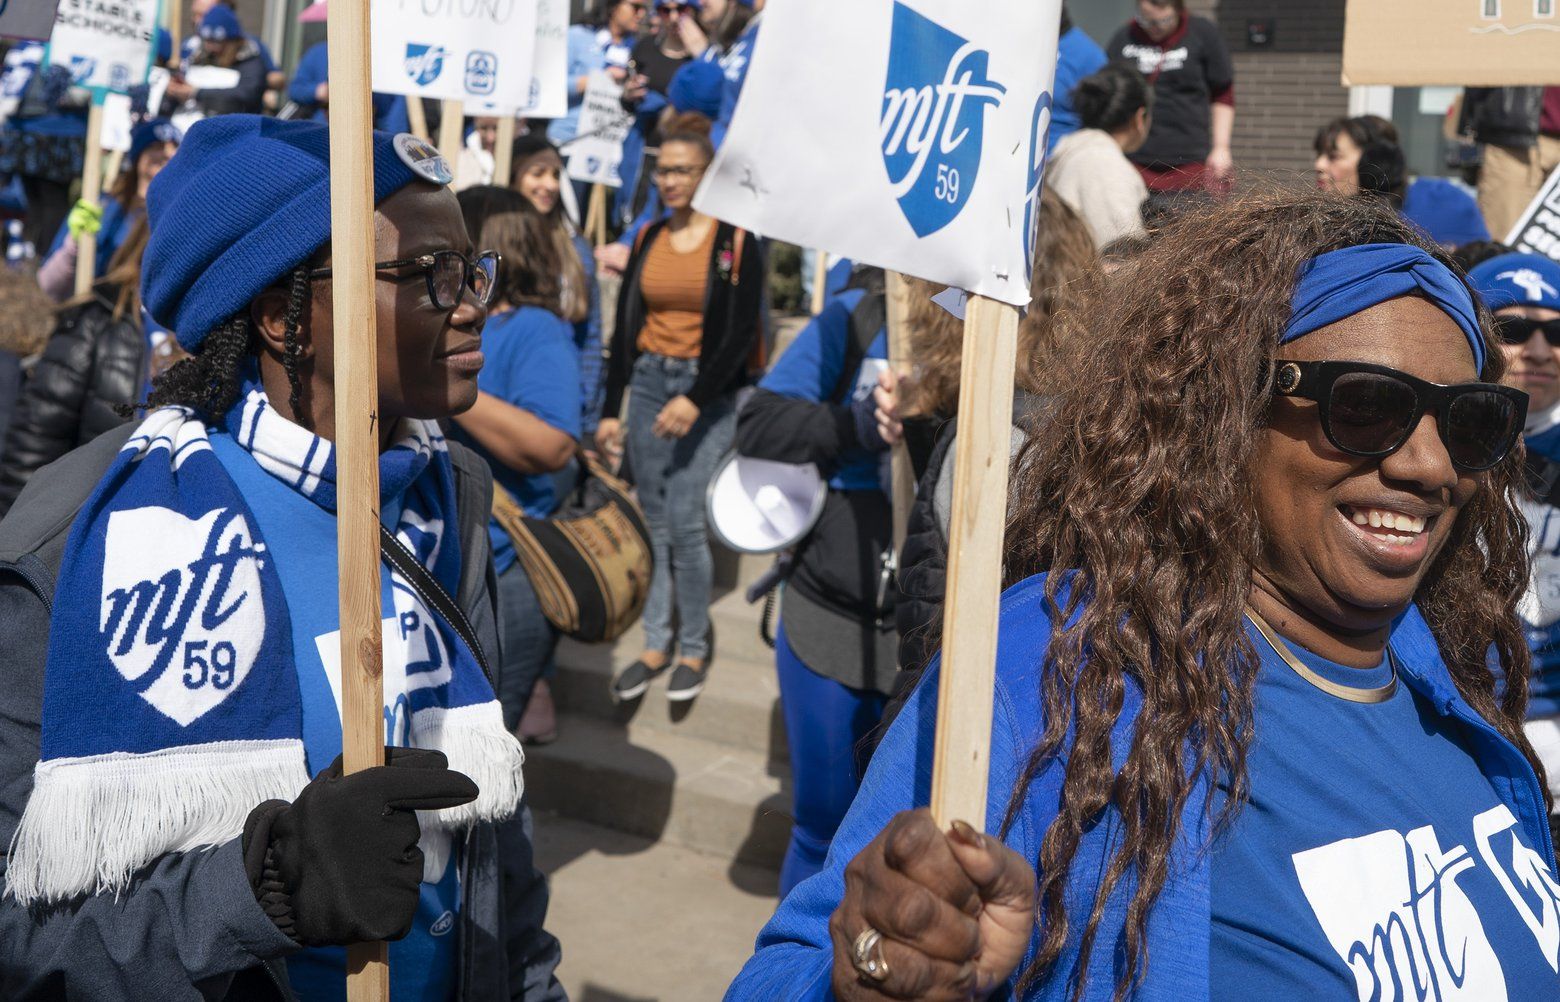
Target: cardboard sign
<point>914,140</point>
<point>29,20</point>
<point>455,51</point>
<point>1465,43</point>
<point>1538,231</point>
<point>596,153</point>
<point>106,46</point>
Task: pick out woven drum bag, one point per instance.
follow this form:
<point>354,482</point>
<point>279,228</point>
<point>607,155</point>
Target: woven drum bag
<point>590,563</point>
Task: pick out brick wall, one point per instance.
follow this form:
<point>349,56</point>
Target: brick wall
<point>1285,91</point>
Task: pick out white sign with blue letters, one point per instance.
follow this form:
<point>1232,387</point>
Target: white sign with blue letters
<point>106,46</point>
<point>455,50</point>
<point>911,135</point>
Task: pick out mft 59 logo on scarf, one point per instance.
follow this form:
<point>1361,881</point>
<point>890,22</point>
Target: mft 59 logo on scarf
<point>182,615</point>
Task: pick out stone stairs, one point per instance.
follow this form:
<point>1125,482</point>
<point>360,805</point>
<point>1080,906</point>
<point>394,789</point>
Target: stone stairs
<point>710,775</point>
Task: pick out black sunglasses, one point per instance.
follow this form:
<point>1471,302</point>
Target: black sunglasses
<point>1371,410</point>
<point>1518,330</point>
<point>449,274</point>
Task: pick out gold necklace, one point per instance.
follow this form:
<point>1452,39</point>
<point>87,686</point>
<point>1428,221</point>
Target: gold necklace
<point>1350,693</point>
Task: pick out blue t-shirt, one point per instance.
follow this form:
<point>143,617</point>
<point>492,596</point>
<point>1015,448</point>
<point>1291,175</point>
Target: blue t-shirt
<point>1077,56</point>
<point>1374,859</point>
<point>810,369</point>
<point>532,363</point>
<point>301,537</point>
<point>1445,212</point>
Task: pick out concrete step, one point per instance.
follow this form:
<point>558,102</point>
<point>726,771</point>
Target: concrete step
<point>740,704</point>
<point>714,798</point>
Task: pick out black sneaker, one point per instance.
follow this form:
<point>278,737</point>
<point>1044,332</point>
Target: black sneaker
<point>687,682</point>
<point>632,681</point>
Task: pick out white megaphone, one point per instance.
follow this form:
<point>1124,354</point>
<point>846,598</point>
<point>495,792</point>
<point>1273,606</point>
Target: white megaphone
<point>761,506</point>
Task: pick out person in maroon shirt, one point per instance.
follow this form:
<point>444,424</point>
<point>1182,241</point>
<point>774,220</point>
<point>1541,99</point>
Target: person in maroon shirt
<point>1183,57</point>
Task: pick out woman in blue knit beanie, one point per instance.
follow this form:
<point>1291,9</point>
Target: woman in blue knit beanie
<point>170,669</point>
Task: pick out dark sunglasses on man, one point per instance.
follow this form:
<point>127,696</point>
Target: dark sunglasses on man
<point>1371,410</point>
<point>1519,330</point>
<point>448,272</point>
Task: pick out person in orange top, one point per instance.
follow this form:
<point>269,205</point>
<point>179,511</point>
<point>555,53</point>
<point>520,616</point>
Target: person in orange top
<point>688,320</point>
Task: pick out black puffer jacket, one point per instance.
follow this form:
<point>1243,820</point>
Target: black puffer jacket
<point>92,364</point>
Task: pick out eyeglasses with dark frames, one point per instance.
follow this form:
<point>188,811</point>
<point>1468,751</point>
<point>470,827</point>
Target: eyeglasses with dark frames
<point>448,273</point>
<point>1520,330</point>
<point>1371,410</point>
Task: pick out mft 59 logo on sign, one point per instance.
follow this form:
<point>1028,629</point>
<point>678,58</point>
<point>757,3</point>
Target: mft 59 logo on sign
<point>933,123</point>
<point>424,63</point>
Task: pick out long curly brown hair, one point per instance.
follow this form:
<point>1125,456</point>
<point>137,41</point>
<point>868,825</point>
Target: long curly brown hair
<point>1141,481</point>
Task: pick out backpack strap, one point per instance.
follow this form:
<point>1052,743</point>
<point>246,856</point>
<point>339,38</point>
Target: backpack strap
<point>866,320</point>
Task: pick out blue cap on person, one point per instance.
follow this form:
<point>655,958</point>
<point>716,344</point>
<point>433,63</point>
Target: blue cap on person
<point>697,87</point>
<point>1517,280</point>
<point>220,24</point>
<point>695,4</point>
<point>149,132</point>
<point>244,202</point>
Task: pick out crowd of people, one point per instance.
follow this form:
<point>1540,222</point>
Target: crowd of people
<point>1283,549</point>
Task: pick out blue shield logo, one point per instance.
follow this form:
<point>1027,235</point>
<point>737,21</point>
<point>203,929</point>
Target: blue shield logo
<point>481,73</point>
<point>1039,142</point>
<point>81,69</point>
<point>934,117</point>
<point>424,63</point>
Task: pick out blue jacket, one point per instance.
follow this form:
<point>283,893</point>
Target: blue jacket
<point>587,338</point>
<point>794,953</point>
<point>586,56</point>
<point>314,69</point>
<point>1077,56</point>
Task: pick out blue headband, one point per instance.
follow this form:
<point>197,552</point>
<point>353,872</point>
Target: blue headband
<point>1345,282</point>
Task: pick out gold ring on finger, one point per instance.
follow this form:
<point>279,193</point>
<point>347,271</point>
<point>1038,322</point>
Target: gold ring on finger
<point>867,955</point>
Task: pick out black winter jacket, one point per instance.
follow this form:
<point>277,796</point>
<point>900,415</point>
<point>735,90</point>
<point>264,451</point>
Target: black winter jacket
<point>733,302</point>
<point>188,927</point>
<point>91,365</point>
<point>1504,116</point>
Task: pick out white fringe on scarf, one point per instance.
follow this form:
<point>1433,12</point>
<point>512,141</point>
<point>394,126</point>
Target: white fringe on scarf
<point>477,743</point>
<point>93,822</point>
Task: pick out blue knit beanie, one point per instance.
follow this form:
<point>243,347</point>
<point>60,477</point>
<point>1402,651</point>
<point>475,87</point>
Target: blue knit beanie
<point>697,87</point>
<point>143,136</point>
<point>220,24</point>
<point>244,202</point>
<point>1517,280</point>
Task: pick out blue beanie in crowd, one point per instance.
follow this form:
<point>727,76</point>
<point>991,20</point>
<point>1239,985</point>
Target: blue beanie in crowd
<point>245,201</point>
<point>697,87</point>
<point>1517,280</point>
<point>220,25</point>
<point>149,132</point>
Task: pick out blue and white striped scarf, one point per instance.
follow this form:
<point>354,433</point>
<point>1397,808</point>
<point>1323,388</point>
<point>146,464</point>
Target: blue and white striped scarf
<point>171,697</point>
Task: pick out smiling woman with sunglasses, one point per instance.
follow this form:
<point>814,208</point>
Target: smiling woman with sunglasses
<point>169,671</point>
<point>1258,707</point>
<point>1524,292</point>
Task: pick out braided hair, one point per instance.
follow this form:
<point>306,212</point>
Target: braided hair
<point>210,380</point>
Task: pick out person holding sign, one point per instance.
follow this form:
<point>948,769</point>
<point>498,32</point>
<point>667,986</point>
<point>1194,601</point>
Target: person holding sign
<point>152,144</point>
<point>43,144</point>
<point>1523,291</point>
<point>165,835</point>
<point>687,324</point>
<point>226,76</point>
<point>1246,705</point>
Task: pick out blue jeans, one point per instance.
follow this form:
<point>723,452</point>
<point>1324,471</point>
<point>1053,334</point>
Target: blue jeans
<point>825,726</point>
<point>528,641</point>
<point>671,476</point>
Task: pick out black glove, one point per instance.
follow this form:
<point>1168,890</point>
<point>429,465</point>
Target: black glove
<point>341,864</point>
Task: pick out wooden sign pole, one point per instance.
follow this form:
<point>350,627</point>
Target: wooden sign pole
<point>962,754</point>
<point>357,429</point>
<point>175,10</point>
<point>902,472</point>
<point>417,118</point>
<point>820,280</point>
<point>452,131</point>
<point>112,165</point>
<point>596,215</point>
<point>92,194</point>
<point>503,150</point>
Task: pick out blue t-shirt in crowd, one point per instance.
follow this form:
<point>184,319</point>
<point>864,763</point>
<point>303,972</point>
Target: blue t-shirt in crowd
<point>1077,56</point>
<point>532,363</point>
<point>810,370</point>
<point>1445,212</point>
<point>301,538</point>
<point>1374,856</point>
